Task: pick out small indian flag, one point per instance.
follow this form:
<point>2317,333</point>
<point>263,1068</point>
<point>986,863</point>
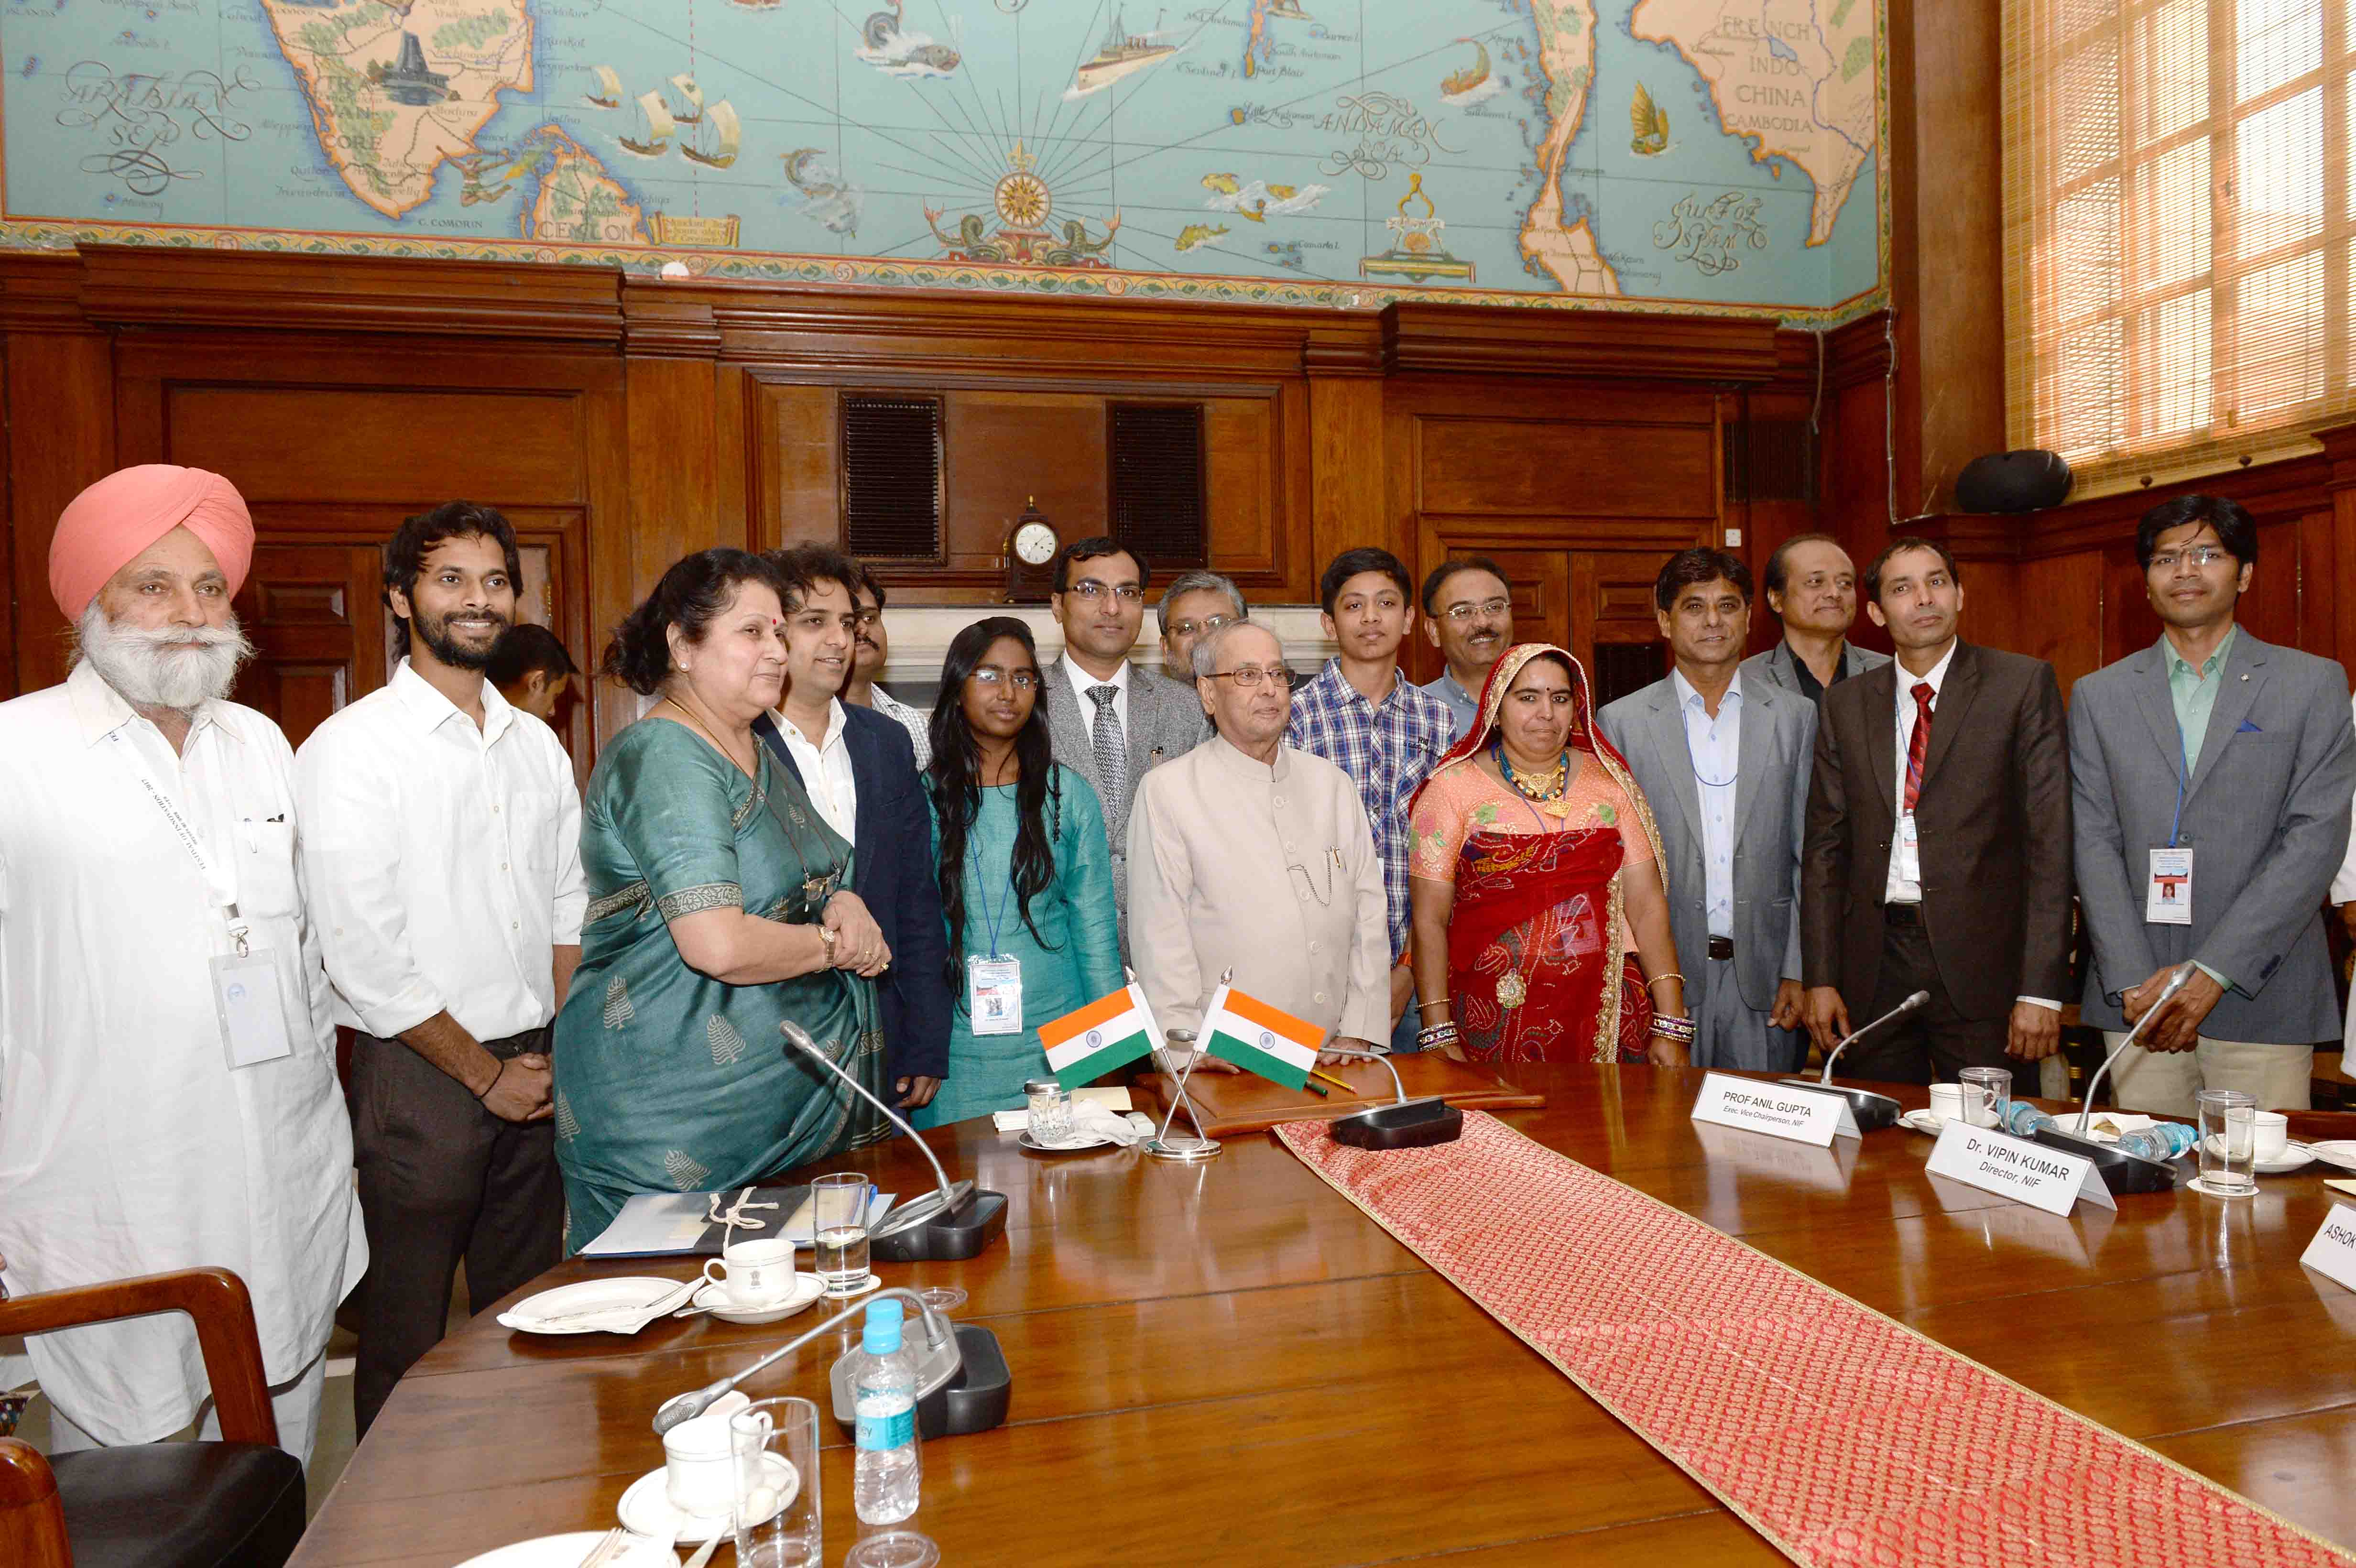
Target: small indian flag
<point>1108,1032</point>
<point>1260,1038</point>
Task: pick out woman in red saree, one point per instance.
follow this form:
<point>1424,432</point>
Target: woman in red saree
<point>1541,928</point>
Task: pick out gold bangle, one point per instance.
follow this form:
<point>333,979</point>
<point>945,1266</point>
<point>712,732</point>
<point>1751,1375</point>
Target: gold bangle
<point>1422,1007</point>
<point>1663,979</point>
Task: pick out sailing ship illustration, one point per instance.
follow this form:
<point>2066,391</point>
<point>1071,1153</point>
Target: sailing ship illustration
<point>407,80</point>
<point>720,150</point>
<point>692,95</point>
<point>1457,83</point>
<point>609,88</point>
<point>1650,123</point>
<point>1122,53</point>
<point>660,128</point>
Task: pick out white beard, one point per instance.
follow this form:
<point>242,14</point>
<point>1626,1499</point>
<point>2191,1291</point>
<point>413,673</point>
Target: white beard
<point>181,668</point>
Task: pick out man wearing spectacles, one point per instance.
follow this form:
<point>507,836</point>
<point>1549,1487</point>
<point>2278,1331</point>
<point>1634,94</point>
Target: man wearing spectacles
<point>871,648</point>
<point>1196,602</point>
<point>1109,721</point>
<point>2211,775</point>
<point>1254,856</point>
<point>1468,613</point>
<point>1811,585</point>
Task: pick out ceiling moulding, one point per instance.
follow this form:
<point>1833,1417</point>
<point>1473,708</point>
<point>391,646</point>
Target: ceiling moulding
<point>1588,344</point>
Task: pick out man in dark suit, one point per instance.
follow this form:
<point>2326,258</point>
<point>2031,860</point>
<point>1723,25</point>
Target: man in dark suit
<point>1938,849</point>
<point>861,774</point>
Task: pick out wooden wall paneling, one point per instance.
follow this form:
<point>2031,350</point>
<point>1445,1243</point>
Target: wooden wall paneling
<point>673,443</point>
<point>2318,586</point>
<point>793,444</point>
<point>2062,617</point>
<point>2272,609</point>
<point>1004,448</point>
<point>317,622</point>
<point>1612,609</point>
<point>61,439</point>
<point>1347,471</point>
<point>1244,505</point>
<point>2128,623</point>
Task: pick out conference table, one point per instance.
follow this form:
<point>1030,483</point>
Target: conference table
<point>1229,1359</point>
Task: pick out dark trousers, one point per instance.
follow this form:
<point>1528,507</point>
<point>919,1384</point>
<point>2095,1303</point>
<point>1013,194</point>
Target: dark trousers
<point>441,1179</point>
<point>1933,1043</point>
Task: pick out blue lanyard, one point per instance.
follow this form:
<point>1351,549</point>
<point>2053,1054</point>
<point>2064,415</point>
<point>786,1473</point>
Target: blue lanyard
<point>2174,826</point>
<point>1006,901</point>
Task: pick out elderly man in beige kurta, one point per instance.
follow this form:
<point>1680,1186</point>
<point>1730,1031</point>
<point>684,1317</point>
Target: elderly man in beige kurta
<point>1248,855</point>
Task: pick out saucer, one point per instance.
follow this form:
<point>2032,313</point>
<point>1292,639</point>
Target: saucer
<point>2296,1156</point>
<point>647,1508</point>
<point>567,1551</point>
<point>630,1293</point>
<point>714,1300</point>
<point>1923,1121</point>
<point>1083,1142</point>
<point>2340,1152</point>
<point>2200,1184</point>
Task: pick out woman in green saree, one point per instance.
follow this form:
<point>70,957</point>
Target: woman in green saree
<point>717,908</point>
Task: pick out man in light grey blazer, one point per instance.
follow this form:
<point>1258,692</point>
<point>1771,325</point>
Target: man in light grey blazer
<point>1109,719</point>
<point>1812,588</point>
<point>2211,775</point>
<point>1724,762</point>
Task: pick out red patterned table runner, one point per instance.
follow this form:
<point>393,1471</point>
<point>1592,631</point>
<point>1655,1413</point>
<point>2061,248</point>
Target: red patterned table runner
<point>1846,1438</point>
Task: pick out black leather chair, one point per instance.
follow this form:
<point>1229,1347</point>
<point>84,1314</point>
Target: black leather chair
<point>235,1503</point>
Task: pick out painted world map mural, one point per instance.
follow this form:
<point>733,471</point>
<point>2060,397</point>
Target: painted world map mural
<point>1711,154</point>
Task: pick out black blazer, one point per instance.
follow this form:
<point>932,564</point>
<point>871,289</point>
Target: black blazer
<point>893,872</point>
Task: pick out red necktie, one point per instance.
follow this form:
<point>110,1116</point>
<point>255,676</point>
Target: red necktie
<point>1918,745</point>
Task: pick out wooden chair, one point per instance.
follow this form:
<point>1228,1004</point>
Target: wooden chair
<point>235,1503</point>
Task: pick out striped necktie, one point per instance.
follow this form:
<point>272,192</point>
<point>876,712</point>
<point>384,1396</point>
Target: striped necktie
<point>1918,745</point>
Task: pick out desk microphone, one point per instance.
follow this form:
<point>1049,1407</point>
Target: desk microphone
<point>1873,1111</point>
<point>2120,1171</point>
<point>1405,1123</point>
<point>2176,981</point>
<point>955,1222</point>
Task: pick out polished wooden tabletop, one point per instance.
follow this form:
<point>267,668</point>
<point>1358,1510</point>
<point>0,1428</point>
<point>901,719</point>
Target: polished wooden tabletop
<point>1229,1358</point>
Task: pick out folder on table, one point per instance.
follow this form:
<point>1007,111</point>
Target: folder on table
<point>1234,1102</point>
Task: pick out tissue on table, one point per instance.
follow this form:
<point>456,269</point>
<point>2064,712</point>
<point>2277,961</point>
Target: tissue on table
<point>2107,1126</point>
<point>1091,1119</point>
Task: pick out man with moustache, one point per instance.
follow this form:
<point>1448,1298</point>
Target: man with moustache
<point>870,652</point>
<point>1811,585</point>
<point>440,850</point>
<point>1110,722</point>
<point>1254,856</point>
<point>1938,849</point>
<point>1195,604</point>
<point>147,870</point>
<point>1724,757</point>
<point>1360,714</point>
<point>1468,613</point>
<point>2211,773</point>
<point>861,774</point>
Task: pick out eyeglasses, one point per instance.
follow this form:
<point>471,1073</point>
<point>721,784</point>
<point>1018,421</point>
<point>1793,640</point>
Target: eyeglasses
<point>1249,678</point>
<point>1460,613</point>
<point>2200,556</point>
<point>1089,589</point>
<point>1193,628</point>
<point>1021,679</point>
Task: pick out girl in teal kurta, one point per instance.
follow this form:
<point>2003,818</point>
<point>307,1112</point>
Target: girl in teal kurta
<point>1025,869</point>
<point>667,1079</point>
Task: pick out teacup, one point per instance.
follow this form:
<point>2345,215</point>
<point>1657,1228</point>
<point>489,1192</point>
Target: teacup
<point>753,1273</point>
<point>2271,1136</point>
<point>1947,1101</point>
<point>699,1462</point>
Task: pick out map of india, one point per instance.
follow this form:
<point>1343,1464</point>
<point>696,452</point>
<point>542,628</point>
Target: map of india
<point>1714,155</point>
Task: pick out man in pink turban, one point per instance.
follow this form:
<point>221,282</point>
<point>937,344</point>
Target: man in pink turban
<point>159,980</point>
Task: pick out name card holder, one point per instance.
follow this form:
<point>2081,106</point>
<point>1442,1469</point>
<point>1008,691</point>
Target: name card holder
<point>1779,1110</point>
<point>2332,1253</point>
<point>2017,1168</point>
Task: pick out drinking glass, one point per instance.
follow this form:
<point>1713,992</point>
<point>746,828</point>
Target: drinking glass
<point>2229,1127</point>
<point>1051,1111</point>
<point>1987,1094</point>
<point>839,1223</point>
<point>775,1442</point>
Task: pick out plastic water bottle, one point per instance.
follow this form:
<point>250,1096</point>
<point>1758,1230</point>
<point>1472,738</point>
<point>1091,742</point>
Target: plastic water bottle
<point>887,1473</point>
<point>2162,1141</point>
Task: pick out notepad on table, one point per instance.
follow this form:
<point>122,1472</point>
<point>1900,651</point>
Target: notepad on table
<point>669,1224</point>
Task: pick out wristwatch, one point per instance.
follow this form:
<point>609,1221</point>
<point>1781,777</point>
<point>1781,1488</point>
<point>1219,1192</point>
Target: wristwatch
<point>826,935</point>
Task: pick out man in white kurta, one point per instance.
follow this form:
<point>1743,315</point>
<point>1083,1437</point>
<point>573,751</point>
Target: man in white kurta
<point>1248,855</point>
<point>128,1145</point>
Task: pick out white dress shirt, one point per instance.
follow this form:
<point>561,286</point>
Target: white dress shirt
<point>443,861</point>
<point>1715,748</point>
<point>128,1145</point>
<point>825,767</point>
<point>1082,680</point>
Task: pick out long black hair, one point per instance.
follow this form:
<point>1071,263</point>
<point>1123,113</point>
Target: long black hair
<point>696,590</point>
<point>955,779</point>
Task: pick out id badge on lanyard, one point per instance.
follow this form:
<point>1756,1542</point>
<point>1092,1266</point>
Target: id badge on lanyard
<point>994,989</point>
<point>246,999</point>
<point>1910,851</point>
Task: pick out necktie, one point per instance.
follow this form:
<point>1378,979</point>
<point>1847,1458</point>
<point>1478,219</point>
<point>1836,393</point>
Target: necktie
<point>1918,745</point>
<point>1112,753</point>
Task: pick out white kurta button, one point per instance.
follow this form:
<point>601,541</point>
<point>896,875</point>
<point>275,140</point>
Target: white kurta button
<point>1313,947</point>
<point>1320,996</point>
<point>1279,800</point>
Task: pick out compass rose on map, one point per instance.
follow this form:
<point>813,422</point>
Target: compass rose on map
<point>1021,197</point>
<point>1022,201</point>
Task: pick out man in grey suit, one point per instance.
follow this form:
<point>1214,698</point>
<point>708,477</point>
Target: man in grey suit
<point>1109,719</point>
<point>1812,586</point>
<point>1734,757</point>
<point>2210,774</point>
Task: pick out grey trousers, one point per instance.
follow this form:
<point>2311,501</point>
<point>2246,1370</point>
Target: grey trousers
<point>441,1179</point>
<point>1733,1035</point>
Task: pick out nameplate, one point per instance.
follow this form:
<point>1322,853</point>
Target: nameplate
<point>2332,1253</point>
<point>2017,1168</point>
<point>1779,1110</point>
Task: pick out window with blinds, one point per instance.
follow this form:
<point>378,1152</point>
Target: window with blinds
<point>891,477</point>
<point>2178,222</point>
<point>1156,473</point>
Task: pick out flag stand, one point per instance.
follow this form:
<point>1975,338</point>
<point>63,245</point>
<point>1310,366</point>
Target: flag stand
<point>1182,1150</point>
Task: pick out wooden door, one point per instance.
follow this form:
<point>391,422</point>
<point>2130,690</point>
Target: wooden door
<point>317,626</point>
<point>1612,627</point>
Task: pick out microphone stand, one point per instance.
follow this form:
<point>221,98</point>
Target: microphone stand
<point>1403,1123</point>
<point>1873,1111</point>
<point>2121,1171</point>
<point>954,1222</point>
